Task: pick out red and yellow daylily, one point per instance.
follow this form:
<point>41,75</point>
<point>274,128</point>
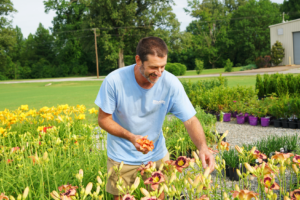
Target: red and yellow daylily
<point>259,156</point>
<point>295,195</point>
<point>296,159</point>
<point>145,168</point>
<point>149,198</point>
<point>269,186</point>
<point>155,179</point>
<point>181,162</point>
<point>128,197</point>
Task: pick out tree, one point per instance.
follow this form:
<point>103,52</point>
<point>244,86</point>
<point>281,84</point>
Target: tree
<point>228,66</point>
<point>210,28</point>
<point>292,8</point>
<point>277,53</point>
<point>7,39</point>
<point>199,66</point>
<point>250,31</point>
<point>122,23</point>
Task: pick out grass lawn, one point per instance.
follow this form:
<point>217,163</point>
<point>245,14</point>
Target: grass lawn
<point>210,71</point>
<point>36,95</point>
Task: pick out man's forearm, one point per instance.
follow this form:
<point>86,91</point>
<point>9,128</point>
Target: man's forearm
<point>196,132</point>
<point>106,122</point>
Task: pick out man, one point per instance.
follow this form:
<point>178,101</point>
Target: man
<point>133,102</point>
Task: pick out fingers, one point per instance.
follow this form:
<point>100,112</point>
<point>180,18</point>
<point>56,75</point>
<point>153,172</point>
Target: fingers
<point>203,160</point>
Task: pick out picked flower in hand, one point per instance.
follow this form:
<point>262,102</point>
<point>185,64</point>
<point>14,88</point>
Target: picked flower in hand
<point>145,144</point>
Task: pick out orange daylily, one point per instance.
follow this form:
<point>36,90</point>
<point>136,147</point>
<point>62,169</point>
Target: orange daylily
<point>203,197</point>
<point>3,197</point>
<point>296,159</point>
<point>281,156</point>
<point>259,156</point>
<point>128,197</point>
<point>223,146</point>
<point>244,194</point>
<point>145,144</point>
<point>181,162</point>
<point>212,151</point>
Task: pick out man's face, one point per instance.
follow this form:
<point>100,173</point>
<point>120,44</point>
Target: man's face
<point>153,68</point>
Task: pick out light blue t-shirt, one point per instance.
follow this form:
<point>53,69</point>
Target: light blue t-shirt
<point>141,111</point>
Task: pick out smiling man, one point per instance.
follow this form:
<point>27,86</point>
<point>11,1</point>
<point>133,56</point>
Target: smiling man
<point>133,102</point>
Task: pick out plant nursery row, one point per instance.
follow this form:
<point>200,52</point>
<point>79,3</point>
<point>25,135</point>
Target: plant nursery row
<point>55,153</point>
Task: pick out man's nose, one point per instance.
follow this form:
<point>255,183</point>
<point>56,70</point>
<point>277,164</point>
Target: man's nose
<point>159,72</point>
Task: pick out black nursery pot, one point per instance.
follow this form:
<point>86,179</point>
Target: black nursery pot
<point>285,123</point>
<point>293,124</point>
<point>298,123</point>
<point>233,174</point>
<point>277,123</point>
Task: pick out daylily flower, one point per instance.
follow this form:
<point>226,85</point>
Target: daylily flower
<point>145,168</point>
<point>267,182</point>
<point>212,151</point>
<point>259,156</point>
<point>203,197</point>
<point>296,159</point>
<point>281,156</point>
<point>93,110</point>
<point>244,194</point>
<point>239,149</point>
<point>182,162</point>
<point>149,198</point>
<point>24,107</point>
<point>295,195</point>
<point>14,149</point>
<point>67,187</point>
<point>3,196</point>
<point>9,161</point>
<point>145,144</point>
<point>223,146</point>
<point>128,197</point>
<point>155,179</point>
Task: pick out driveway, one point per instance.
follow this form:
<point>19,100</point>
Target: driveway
<point>272,70</point>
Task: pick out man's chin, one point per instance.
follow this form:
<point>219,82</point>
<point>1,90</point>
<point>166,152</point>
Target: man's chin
<point>153,81</point>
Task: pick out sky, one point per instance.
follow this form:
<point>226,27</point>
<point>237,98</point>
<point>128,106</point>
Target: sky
<point>31,13</point>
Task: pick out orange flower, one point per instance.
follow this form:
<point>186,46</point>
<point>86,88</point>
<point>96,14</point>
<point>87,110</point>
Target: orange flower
<point>14,149</point>
<point>145,144</point>
<point>203,197</point>
<point>212,151</point>
<point>259,156</point>
<point>223,146</point>
<point>181,162</point>
<point>267,183</point>
<point>281,156</point>
<point>244,194</point>
<point>128,197</point>
<point>3,196</point>
<point>9,161</point>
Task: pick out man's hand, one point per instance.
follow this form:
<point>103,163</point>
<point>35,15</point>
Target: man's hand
<point>136,145</point>
<point>207,159</point>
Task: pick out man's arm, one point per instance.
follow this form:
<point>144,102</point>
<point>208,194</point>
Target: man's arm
<point>196,133</point>
<point>106,122</point>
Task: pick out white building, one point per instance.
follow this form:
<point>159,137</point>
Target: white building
<point>288,33</point>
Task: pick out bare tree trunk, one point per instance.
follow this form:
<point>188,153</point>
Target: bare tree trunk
<point>121,58</point>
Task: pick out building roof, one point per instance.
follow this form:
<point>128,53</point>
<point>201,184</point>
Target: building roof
<point>292,21</point>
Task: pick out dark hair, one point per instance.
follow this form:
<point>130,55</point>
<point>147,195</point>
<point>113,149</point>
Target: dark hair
<point>151,45</point>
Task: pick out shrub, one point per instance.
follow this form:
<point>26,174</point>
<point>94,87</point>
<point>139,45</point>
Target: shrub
<point>228,66</point>
<point>282,87</point>
<point>238,65</point>
<point>2,77</point>
<point>263,61</point>
<point>176,68</point>
<point>199,66</point>
<point>259,85</point>
<point>277,53</point>
<point>266,84</point>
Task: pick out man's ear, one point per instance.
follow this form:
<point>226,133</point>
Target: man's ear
<point>138,60</point>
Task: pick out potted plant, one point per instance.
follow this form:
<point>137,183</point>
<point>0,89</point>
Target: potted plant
<point>264,119</point>
<point>293,108</point>
<point>275,111</point>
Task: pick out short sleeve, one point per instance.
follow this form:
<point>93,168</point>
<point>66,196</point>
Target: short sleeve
<point>181,106</point>
<point>106,98</point>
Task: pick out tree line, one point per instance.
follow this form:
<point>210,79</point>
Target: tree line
<point>222,29</point>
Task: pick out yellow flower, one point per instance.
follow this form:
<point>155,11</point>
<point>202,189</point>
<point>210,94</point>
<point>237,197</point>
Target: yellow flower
<point>40,128</point>
<point>80,116</point>
<point>93,110</point>
<point>24,107</point>
<point>2,131</point>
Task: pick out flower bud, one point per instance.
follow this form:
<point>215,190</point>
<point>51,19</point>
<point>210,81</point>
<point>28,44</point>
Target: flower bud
<point>88,188</point>
<point>253,150</point>
<point>189,180</point>
<point>236,187</point>
<point>99,180</point>
<point>166,188</point>
<point>295,168</point>
<point>55,195</point>
<point>239,173</point>
<point>195,155</point>
<point>206,172</point>
<point>161,167</point>
<point>145,192</point>
<point>120,189</point>
<point>12,198</point>
<point>19,197</point>
<point>249,168</point>
<point>173,177</point>
<point>135,184</point>
<point>161,189</point>
<point>109,172</point>
<point>121,166</point>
